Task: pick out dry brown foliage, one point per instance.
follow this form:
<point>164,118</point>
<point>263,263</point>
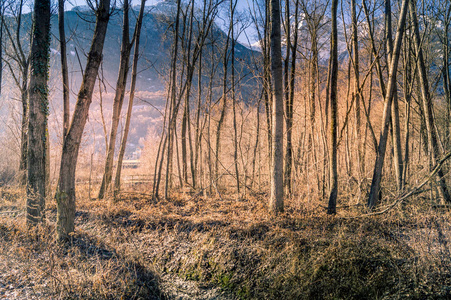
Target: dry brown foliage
<point>133,248</point>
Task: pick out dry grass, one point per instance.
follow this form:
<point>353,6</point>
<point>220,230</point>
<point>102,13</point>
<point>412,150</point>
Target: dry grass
<point>122,249</point>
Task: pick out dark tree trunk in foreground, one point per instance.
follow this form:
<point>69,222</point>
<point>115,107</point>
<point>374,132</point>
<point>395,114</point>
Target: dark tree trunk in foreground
<point>380,156</point>
<point>38,110</point>
<point>65,194</point>
<point>276,200</point>
<point>332,208</point>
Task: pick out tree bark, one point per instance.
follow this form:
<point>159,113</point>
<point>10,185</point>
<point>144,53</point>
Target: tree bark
<point>332,207</point>
<point>276,200</point>
<point>65,195</point>
<point>38,111</point>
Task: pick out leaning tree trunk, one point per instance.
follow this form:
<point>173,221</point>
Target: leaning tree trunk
<point>276,200</point>
<point>433,147</point>
<point>377,173</point>
<point>117,102</point>
<point>65,195</point>
<point>38,110</point>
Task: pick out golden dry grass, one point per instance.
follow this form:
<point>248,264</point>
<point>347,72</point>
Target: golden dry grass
<point>133,248</point>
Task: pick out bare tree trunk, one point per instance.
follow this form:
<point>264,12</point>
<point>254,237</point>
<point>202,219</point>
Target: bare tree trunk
<point>267,84</point>
<point>377,174</point>
<point>136,38</point>
<point>65,195</point>
<point>446,71</point>
<point>433,146</point>
<point>276,200</point>
<point>397,151</point>
<point>235,130</point>
<point>408,82</point>
<point>38,107</point>
<point>332,207</point>
<point>289,91</point>
<point>118,101</point>
<point>64,69</point>
<point>173,107</point>
<point>198,137</point>
<point>186,136</point>
<point>355,51</point>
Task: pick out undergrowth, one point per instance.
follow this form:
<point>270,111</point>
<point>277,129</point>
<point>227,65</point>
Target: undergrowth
<point>121,249</point>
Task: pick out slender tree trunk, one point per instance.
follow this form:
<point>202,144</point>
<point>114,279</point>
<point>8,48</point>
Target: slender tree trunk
<point>64,69</point>
<point>118,101</point>
<point>38,108</point>
<point>290,72</point>
<point>186,113</point>
<point>173,107</point>
<point>198,137</point>
<point>433,146</point>
<point>136,38</point>
<point>355,51</point>
<point>276,200</point>
<point>65,195</point>
<point>408,96</point>
<point>446,76</point>
<point>235,130</point>
<point>267,84</point>
<point>397,151</point>
<point>377,173</point>
<point>332,207</point>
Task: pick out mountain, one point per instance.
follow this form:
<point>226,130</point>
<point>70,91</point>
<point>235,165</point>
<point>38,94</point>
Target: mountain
<point>155,49</point>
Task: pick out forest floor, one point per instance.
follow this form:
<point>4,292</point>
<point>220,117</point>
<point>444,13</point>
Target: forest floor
<point>193,247</point>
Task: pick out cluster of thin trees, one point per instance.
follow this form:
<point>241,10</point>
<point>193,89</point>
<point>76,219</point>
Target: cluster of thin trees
<point>324,94</point>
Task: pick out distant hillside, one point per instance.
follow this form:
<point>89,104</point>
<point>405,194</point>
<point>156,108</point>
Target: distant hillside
<point>156,43</point>
<point>154,64</point>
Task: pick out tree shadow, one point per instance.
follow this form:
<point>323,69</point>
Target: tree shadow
<point>141,281</point>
